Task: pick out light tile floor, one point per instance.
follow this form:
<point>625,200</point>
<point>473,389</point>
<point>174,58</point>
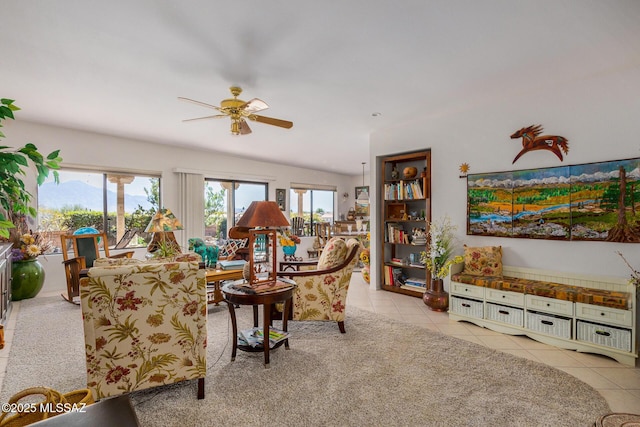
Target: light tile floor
<point>619,384</point>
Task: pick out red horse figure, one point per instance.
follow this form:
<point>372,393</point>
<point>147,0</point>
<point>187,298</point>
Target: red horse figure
<point>532,140</point>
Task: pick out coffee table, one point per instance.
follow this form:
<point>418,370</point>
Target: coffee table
<point>234,295</point>
<point>214,294</point>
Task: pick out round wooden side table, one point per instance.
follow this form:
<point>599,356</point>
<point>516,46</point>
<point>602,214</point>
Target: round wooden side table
<point>234,294</point>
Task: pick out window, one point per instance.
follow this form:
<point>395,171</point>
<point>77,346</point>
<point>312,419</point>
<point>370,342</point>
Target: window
<point>225,202</point>
<point>119,203</point>
<point>305,200</point>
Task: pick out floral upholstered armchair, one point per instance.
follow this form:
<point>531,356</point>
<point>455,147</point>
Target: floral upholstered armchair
<point>321,294</point>
<point>145,325</point>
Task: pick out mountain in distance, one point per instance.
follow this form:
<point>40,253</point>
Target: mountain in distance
<point>73,193</point>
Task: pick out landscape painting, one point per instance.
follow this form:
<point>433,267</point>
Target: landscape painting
<point>604,201</point>
<point>490,204</point>
<point>541,203</point>
<point>595,201</point>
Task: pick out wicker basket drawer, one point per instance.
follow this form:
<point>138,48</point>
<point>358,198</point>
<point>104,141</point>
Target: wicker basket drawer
<point>500,313</point>
<point>466,290</point>
<point>466,307</point>
<point>613,316</point>
<point>549,324</point>
<point>505,297</point>
<point>607,336</point>
<point>549,305</point>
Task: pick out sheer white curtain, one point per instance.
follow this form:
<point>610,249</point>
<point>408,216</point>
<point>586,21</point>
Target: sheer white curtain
<point>190,206</point>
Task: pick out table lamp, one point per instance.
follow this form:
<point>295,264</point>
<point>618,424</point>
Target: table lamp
<point>162,225</point>
<point>262,218</point>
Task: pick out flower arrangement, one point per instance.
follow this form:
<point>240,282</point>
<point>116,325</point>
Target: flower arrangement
<point>635,274</point>
<point>288,239</point>
<point>439,256</point>
<point>31,246</point>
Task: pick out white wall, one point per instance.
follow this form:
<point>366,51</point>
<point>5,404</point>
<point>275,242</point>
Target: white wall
<point>598,115</point>
<point>112,152</point>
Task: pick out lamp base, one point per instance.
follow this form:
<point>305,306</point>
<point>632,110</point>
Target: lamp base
<point>163,243</point>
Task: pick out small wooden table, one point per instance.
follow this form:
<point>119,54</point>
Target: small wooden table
<point>233,295</point>
<point>214,294</point>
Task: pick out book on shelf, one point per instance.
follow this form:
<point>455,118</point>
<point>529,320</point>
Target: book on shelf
<point>395,234</point>
<point>254,337</point>
<point>413,288</point>
<point>404,190</point>
<point>393,276</point>
<point>416,281</point>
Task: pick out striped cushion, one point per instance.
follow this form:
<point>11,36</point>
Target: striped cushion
<point>548,289</point>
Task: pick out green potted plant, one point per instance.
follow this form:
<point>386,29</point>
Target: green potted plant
<point>15,206</point>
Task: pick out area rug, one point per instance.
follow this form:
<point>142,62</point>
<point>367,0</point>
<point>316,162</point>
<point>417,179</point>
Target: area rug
<point>381,372</point>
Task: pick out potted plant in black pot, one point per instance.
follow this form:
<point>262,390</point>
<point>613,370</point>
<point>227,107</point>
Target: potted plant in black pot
<point>15,208</point>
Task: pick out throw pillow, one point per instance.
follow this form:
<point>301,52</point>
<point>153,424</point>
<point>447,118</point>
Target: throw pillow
<point>333,254</point>
<point>231,246</point>
<point>483,261</point>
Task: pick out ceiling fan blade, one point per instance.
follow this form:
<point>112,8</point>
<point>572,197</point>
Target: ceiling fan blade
<point>243,127</point>
<point>217,116</point>
<point>204,104</point>
<point>271,121</point>
<point>254,105</point>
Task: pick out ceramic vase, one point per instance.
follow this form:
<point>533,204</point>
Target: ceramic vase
<point>435,297</point>
<point>27,278</point>
<point>289,250</point>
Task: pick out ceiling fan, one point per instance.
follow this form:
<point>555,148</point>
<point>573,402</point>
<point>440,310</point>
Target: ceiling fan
<point>239,110</point>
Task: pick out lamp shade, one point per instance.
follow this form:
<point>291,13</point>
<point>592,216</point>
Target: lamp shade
<point>263,214</point>
<point>163,220</point>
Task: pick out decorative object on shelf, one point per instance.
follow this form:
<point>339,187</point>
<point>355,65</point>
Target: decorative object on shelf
<point>464,170</point>
<point>438,260</point>
<point>164,243</point>
<point>27,275</point>
<point>418,237</point>
<point>394,172</point>
<point>591,202</point>
<point>423,174</point>
<point>532,140</point>
<point>261,218</point>
<point>409,172</point>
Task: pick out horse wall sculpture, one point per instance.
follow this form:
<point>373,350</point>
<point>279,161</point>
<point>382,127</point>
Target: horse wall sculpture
<point>532,140</point>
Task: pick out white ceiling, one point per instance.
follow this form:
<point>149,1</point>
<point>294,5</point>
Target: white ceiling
<point>117,67</point>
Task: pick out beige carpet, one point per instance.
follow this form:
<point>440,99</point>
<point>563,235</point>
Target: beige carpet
<point>381,372</point>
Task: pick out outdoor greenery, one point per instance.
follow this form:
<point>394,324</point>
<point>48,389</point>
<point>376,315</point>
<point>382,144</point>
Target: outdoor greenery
<point>15,199</point>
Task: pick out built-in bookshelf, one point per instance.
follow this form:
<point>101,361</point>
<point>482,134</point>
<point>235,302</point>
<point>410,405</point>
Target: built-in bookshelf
<point>406,207</point>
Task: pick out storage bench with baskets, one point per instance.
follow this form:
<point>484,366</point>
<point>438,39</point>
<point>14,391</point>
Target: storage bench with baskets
<point>572,311</point>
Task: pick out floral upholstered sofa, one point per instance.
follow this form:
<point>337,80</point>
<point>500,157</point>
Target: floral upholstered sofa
<point>145,325</point>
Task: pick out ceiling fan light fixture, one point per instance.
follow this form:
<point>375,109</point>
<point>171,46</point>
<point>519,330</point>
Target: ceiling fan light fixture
<point>235,127</point>
<point>239,110</point>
